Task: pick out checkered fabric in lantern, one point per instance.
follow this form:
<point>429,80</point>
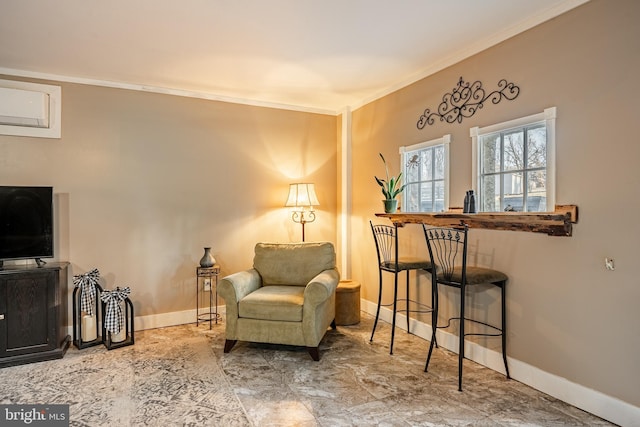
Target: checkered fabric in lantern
<point>113,317</point>
<point>87,283</point>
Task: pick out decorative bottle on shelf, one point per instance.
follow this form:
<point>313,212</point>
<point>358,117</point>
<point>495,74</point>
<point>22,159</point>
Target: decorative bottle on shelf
<point>472,202</point>
<point>465,208</point>
<point>207,259</point>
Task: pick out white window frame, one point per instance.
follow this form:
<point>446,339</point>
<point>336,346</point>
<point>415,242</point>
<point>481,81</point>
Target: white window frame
<point>548,116</point>
<point>445,140</point>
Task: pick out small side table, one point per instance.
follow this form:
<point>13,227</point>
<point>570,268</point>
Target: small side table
<point>207,283</point>
<point>347,303</point>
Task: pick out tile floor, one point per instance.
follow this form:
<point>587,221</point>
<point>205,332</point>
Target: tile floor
<point>180,376</point>
<point>357,383</point>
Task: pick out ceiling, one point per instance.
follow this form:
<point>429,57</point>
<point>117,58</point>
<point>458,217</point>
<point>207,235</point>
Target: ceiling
<point>321,55</point>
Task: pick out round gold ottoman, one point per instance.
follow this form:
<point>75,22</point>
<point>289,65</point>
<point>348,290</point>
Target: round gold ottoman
<point>348,303</point>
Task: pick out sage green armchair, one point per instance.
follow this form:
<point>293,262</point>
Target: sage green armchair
<point>288,297</point>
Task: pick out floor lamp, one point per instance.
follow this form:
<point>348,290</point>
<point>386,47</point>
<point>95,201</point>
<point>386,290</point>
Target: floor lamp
<point>302,198</point>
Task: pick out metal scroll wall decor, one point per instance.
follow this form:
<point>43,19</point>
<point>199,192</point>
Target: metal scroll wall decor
<point>465,99</point>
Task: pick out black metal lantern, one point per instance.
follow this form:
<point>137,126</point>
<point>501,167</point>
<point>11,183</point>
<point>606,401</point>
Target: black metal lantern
<point>117,318</point>
<point>87,309</point>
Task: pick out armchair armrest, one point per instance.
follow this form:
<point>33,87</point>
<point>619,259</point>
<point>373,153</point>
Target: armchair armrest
<point>236,286</point>
<point>321,287</point>
<point>232,289</point>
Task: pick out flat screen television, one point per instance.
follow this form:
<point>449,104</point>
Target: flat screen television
<point>26,223</point>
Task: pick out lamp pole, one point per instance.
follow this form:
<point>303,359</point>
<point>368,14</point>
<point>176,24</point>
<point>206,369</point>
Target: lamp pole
<point>300,217</point>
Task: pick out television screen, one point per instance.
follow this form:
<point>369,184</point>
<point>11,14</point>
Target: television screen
<point>26,222</point>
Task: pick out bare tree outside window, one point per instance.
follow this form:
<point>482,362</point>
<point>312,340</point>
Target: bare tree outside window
<point>513,169</point>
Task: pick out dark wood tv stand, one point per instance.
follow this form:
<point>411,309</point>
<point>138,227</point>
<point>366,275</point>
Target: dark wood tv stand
<point>33,313</point>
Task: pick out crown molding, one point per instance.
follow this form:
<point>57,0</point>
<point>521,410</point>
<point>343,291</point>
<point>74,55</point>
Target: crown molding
<point>163,90</point>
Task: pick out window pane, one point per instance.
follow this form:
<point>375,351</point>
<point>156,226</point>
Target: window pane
<point>491,193</point>
<point>439,202</point>
<point>514,150</point>
<point>512,183</point>
<point>537,182</point>
<point>412,171</point>
<point>513,191</point>
<point>438,155</point>
<point>537,191</point>
<point>537,147</point>
<point>411,197</point>
<point>490,152</point>
<point>426,197</point>
<point>426,165</point>
<point>513,203</point>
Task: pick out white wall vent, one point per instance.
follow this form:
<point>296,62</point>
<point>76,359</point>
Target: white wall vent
<point>29,109</point>
<point>24,108</point>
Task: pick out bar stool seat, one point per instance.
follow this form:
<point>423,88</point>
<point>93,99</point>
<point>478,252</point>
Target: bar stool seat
<point>478,275</point>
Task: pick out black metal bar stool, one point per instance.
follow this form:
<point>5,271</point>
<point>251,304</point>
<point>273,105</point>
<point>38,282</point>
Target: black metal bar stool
<point>448,252</point>
<point>386,239</point>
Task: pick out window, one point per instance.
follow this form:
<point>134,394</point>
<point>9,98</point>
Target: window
<point>425,171</point>
<point>514,164</point>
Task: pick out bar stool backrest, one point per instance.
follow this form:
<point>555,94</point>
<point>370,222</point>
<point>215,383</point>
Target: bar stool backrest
<point>385,238</point>
<point>448,251</point>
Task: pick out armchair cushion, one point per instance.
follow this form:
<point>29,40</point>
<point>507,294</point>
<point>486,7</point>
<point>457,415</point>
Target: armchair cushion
<point>273,303</point>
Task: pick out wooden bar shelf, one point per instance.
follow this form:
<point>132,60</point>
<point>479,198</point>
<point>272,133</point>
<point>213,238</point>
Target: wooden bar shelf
<point>557,223</point>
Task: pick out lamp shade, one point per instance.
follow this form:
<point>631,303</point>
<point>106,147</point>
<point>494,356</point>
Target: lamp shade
<point>302,195</point>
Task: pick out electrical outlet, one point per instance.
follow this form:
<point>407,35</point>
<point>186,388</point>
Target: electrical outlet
<point>207,284</point>
<point>609,265</point>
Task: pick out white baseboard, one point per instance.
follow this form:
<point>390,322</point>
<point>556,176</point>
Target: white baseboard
<point>592,401</point>
<point>162,320</point>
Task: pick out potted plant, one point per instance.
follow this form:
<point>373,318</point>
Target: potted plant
<point>391,188</point>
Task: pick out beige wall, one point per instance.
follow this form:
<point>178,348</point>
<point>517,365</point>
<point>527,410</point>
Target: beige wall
<point>144,181</point>
<point>568,316</point>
